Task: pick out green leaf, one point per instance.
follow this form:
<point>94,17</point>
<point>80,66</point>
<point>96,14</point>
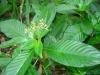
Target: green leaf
<point>2,54</point>
<point>86,25</point>
<point>12,42</point>
<point>39,33</point>
<point>48,40</point>
<point>38,46</point>
<point>32,71</point>
<point>73,53</point>
<point>67,27</point>
<point>19,64</point>
<point>97,27</point>
<point>65,8</point>
<point>74,33</point>
<point>4,7</point>
<point>28,45</point>
<point>47,13</point>
<point>94,70</point>
<point>23,46</point>
<point>12,28</point>
<point>4,61</point>
<point>16,51</point>
<point>82,4</point>
<point>14,9</point>
<point>46,67</point>
<point>94,40</point>
<point>59,26</point>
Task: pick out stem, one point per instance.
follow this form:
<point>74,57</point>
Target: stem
<point>14,12</point>
<point>40,69</point>
<point>21,10</point>
<point>35,62</point>
<point>27,7</point>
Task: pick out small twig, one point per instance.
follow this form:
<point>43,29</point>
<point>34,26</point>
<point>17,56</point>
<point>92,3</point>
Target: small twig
<point>21,10</point>
<point>35,62</point>
<point>40,69</point>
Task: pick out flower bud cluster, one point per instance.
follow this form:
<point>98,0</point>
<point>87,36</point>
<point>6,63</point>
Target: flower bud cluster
<point>42,25</point>
<point>36,26</point>
<point>39,25</point>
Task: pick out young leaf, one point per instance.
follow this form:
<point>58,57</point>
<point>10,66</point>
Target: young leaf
<point>73,53</point>
<point>38,46</point>
<point>47,13</point>
<point>39,33</point>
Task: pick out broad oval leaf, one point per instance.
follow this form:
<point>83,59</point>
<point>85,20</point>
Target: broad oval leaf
<point>73,53</point>
<point>12,28</point>
<point>19,64</point>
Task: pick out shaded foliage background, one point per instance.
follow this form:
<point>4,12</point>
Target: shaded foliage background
<point>60,44</point>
